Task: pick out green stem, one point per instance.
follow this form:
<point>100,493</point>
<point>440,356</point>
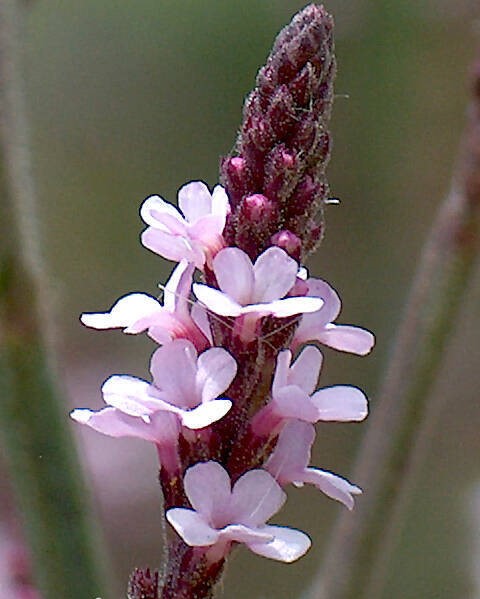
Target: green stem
<point>45,472</point>
<point>362,542</point>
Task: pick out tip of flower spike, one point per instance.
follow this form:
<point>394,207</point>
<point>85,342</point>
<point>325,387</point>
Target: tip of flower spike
<point>284,144</point>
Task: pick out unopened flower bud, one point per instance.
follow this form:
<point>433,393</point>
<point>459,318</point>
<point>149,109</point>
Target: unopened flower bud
<point>234,178</point>
<point>289,242</point>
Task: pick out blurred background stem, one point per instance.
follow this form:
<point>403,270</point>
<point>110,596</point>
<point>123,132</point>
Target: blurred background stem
<point>360,550</point>
<point>42,463</point>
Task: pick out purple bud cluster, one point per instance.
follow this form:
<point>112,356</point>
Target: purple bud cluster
<point>283,146</point>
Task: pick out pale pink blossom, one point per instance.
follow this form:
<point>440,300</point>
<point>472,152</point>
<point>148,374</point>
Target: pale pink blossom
<point>255,290</point>
<point>194,232</point>
<point>185,386</point>
<point>289,464</point>
<point>175,319</point>
<point>294,396</point>
<point>223,515</point>
<point>319,326</point>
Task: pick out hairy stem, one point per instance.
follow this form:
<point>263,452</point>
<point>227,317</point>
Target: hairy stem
<point>33,423</point>
<point>363,542</point>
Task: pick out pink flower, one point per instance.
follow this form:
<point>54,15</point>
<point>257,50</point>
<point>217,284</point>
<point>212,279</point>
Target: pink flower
<point>289,461</point>
<point>318,326</point>
<point>222,515</point>
<point>139,312</point>
<point>194,232</point>
<point>294,396</point>
<point>254,290</point>
<point>184,385</point>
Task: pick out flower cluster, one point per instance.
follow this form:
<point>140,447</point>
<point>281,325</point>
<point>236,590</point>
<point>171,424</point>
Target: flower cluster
<point>191,378</point>
<point>234,396</point>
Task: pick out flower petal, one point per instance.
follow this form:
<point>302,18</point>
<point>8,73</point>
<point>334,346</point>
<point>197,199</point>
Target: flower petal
<point>114,423</point>
<point>174,369</point>
<point>341,403</point>
<point>275,273</point>
<point>208,488</point>
<point>306,369</point>
<point>172,247</point>
<point>155,206</point>
<point>177,290</point>
<point>332,304</point>
<point>291,402</point>
<point>332,485</point>
<point>216,301</point>
<point>256,496</point>
<point>216,370</point>
<point>287,546</point>
<point>220,201</point>
<point>200,317</point>
<point>245,534</point>
<point>354,340</point>
<point>205,414</point>
<point>291,306</point>
<point>192,527</point>
<point>194,200</point>
<point>126,311</point>
<point>292,452</point>
<point>128,394</point>
<point>235,275</point>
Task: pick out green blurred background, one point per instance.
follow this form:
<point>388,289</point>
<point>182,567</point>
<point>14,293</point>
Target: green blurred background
<point>137,97</point>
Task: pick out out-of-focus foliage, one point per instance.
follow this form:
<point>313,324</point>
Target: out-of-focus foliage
<point>132,98</point>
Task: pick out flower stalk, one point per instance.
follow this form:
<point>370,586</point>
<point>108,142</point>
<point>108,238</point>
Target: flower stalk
<point>40,455</point>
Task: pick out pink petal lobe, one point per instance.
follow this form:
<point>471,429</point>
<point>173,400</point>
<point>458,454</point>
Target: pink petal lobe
<point>177,290</point>
<point>256,496</point>
<point>282,371</point>
<point>200,317</point>
<point>128,394</point>
<point>354,340</point>
<point>192,527</point>
<point>174,369</point>
<point>123,313</point>
<point>220,201</point>
<point>216,301</point>
<point>208,488</point>
<point>332,304</point>
<point>155,206</point>
<point>288,544</point>
<point>293,305</point>
<point>341,403</point>
<point>114,423</point>
<point>244,534</point>
<point>234,273</point>
<point>194,200</point>
<point>205,414</point>
<point>275,273</point>
<point>332,485</point>
<point>291,402</point>
<point>292,452</point>
<point>216,370</point>
<point>172,247</point>
<point>306,369</point>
